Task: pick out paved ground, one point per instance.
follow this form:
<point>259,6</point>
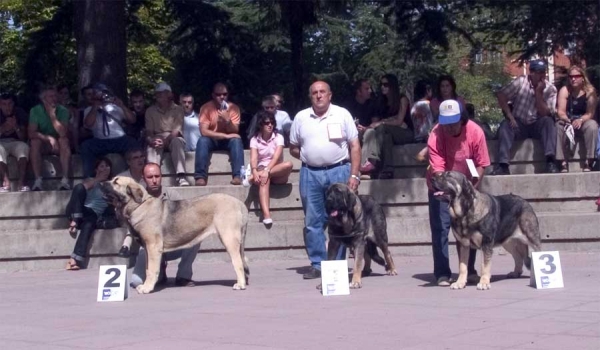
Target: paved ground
<point>58,310</point>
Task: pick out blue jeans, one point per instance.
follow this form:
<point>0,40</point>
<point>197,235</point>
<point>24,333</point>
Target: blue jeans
<point>313,184</point>
<point>439,221</point>
<point>93,148</point>
<point>184,269</point>
<point>206,146</point>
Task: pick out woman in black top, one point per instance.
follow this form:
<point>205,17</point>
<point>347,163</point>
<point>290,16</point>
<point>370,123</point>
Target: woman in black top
<point>394,127</point>
<point>576,105</point>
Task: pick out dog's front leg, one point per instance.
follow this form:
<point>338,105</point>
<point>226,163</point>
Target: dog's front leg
<point>359,262</point>
<point>463,258</point>
<point>153,257</point>
<point>486,269</point>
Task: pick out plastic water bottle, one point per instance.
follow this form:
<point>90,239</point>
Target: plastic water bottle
<point>246,173</point>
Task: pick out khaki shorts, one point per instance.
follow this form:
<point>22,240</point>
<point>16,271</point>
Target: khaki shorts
<point>17,149</point>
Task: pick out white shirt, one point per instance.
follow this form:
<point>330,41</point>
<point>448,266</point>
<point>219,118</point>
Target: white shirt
<point>127,173</point>
<point>114,118</point>
<point>284,122</point>
<point>312,135</point>
<point>191,131</point>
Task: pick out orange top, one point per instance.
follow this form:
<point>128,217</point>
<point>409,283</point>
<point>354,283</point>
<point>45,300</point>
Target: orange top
<point>209,115</point>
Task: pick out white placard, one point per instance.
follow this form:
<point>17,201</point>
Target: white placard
<point>472,168</point>
<point>546,271</point>
<point>334,277</point>
<point>112,283</point>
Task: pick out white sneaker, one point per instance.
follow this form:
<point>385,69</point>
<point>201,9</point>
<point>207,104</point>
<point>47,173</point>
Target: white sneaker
<point>64,185</point>
<point>37,185</point>
<point>182,182</point>
<point>268,221</point>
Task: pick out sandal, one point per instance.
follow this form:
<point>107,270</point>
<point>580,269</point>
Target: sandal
<point>25,189</point>
<point>72,265</point>
<point>4,189</point>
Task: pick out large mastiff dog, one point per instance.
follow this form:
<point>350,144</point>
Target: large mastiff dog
<point>483,221</point>
<point>165,225</point>
<point>358,222</point>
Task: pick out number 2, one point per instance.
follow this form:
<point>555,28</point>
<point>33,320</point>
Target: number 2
<point>549,262</point>
<point>111,282</point>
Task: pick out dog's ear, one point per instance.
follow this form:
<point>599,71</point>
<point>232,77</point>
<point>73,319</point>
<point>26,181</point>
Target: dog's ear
<point>136,193</point>
<point>468,191</point>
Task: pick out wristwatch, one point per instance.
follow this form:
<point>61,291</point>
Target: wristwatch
<point>356,177</point>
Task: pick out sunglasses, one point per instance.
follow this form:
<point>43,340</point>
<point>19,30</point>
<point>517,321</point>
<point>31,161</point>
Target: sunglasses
<point>221,95</point>
<point>268,122</point>
<point>576,76</point>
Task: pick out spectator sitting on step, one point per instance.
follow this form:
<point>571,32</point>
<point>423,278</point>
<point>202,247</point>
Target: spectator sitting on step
<point>269,104</point>
<point>13,142</point>
<point>191,123</point>
<point>105,118</point>
<point>48,133</point>
<point>420,113</point>
<point>446,90</point>
<point>532,116</point>
<point>137,103</point>
<point>136,159</point>
<point>266,160</point>
<point>85,209</point>
<point>394,127</point>
<point>164,131</point>
<point>576,107</point>
<point>284,122</point>
<point>361,106</point>
<point>220,128</point>
<point>153,180</point>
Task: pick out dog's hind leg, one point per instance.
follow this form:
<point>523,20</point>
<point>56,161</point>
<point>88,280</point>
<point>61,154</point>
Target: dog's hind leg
<point>232,243</point>
<point>367,269</point>
<point>390,267</point>
<point>515,247</point>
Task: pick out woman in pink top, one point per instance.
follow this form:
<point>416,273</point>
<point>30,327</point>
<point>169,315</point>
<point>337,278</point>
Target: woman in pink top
<point>266,160</point>
<point>451,142</point>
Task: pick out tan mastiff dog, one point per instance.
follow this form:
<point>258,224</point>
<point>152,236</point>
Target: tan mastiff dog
<point>166,225</point>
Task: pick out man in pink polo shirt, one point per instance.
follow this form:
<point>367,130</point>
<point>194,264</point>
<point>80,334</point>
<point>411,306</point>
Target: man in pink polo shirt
<point>454,140</point>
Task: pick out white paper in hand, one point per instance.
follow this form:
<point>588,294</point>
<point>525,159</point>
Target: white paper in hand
<point>472,168</point>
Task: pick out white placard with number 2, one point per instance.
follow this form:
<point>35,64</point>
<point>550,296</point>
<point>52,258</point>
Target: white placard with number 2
<point>546,271</point>
<point>112,283</point>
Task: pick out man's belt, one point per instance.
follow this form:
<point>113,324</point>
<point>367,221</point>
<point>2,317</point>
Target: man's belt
<point>327,167</point>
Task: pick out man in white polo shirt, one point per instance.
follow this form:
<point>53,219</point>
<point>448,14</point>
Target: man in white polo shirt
<point>323,137</point>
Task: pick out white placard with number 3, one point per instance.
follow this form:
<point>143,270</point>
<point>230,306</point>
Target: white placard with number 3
<point>112,283</point>
<point>546,271</point>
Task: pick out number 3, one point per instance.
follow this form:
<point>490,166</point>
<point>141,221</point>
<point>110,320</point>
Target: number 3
<point>549,262</point>
<point>111,282</point>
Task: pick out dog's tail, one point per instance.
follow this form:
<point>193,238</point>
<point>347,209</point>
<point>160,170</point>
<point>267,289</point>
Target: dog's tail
<point>372,251</point>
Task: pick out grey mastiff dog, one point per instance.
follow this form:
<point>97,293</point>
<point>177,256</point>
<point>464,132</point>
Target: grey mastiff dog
<point>165,225</point>
<point>480,220</point>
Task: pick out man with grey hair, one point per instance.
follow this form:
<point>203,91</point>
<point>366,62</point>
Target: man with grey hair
<point>323,137</point>
<point>282,119</point>
<point>48,134</point>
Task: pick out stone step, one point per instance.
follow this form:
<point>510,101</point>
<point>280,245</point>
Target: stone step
<point>527,158</point>
<point>29,248</point>
<point>538,187</point>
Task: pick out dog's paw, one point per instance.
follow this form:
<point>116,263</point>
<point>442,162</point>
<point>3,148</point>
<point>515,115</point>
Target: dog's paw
<point>355,285</point>
<point>392,272</point>
<point>484,286</point>
<point>143,289</point>
<point>514,274</point>
<point>458,285</point>
<point>239,286</point>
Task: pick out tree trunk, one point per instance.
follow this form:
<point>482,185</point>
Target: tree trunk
<point>296,43</point>
<point>101,43</point>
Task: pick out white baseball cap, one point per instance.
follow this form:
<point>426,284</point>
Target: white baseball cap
<point>449,112</point>
<point>162,86</point>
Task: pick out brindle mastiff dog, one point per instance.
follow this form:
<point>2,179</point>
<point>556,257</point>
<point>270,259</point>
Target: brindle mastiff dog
<point>483,221</point>
<point>358,222</point>
<point>166,225</point>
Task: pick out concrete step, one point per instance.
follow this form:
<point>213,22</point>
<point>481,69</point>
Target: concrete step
<point>28,248</point>
<point>538,187</point>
